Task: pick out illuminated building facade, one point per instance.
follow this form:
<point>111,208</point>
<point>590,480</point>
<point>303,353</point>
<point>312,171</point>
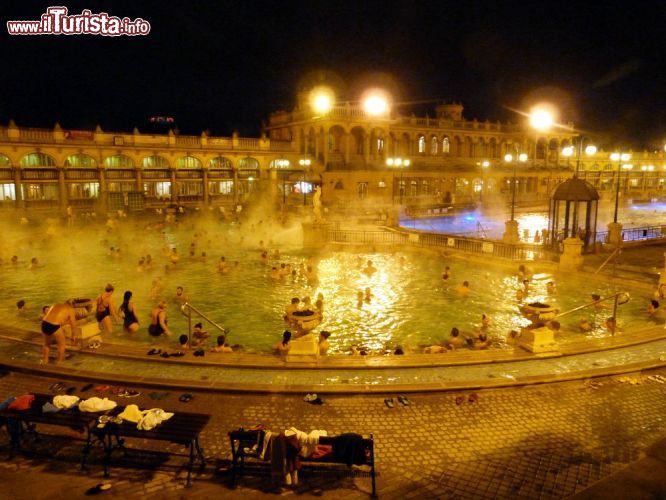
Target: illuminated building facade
<point>451,160</point>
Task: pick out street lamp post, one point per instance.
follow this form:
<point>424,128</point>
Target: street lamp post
<point>305,163</point>
<point>398,163</point>
<point>511,227</point>
<point>615,228</point>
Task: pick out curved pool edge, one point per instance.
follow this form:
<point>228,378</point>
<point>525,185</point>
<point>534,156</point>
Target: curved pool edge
<point>265,361</point>
<point>55,371</point>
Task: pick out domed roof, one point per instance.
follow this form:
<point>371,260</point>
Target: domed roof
<point>575,189</point>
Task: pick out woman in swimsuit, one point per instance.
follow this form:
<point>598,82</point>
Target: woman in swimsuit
<point>158,321</point>
<point>130,321</point>
<point>105,310</point>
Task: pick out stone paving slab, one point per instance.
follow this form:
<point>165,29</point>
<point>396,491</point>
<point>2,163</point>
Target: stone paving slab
<point>546,441</point>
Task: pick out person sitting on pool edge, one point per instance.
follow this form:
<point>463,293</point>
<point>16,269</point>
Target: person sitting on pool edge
<point>222,345</point>
<point>481,342</point>
<point>455,340</point>
<point>324,346</point>
<point>282,347</point>
<point>158,321</point>
<point>199,335</point>
<point>183,342</point>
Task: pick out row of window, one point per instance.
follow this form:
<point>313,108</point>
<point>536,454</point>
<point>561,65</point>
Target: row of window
<point>122,161</point>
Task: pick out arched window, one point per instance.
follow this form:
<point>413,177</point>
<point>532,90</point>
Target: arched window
<point>279,163</point>
<point>189,162</point>
<point>433,145</point>
<point>37,160</point>
<point>80,161</point>
<point>248,163</point>
<point>422,144</point>
<point>220,162</point>
<point>154,162</point>
<point>4,161</point>
<point>425,185</point>
<point>118,161</point>
<point>445,145</point>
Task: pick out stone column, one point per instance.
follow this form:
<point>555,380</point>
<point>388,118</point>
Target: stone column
<point>347,140</point>
<point>62,190</point>
<point>138,180</point>
<point>18,188</point>
<point>615,234</point>
<point>662,275</point>
<point>103,192</point>
<point>572,256</point>
<point>511,235</point>
<point>174,186</point>
<point>205,187</point>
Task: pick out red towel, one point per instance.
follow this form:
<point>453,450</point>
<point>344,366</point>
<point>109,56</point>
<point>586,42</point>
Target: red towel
<point>23,402</point>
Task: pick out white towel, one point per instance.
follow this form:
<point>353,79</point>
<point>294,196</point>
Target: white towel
<point>152,418</point>
<point>96,404</point>
<point>64,402</point>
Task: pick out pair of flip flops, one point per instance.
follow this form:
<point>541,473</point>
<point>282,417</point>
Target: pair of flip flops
<point>186,398</point>
<point>95,344</point>
<point>128,393</point>
<point>199,352</point>
<point>99,488</point>
<point>154,351</point>
<point>473,398</point>
<point>313,399</point>
<point>404,400</point>
<point>59,387</point>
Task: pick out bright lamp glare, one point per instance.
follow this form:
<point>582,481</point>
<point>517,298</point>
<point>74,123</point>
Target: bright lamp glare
<point>590,150</point>
<point>568,151</point>
<point>321,100</point>
<point>508,158</point>
<point>522,157</point>
<point>375,104</point>
<point>541,118</point>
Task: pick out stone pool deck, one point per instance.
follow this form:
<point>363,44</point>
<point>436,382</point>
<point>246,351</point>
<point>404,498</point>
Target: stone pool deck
<point>600,439</point>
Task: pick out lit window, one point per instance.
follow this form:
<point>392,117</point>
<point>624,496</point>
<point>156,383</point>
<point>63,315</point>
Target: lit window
<point>445,145</point>
<point>220,162</point>
<point>362,190</point>
<point>155,162</point>
<point>422,144</point>
<point>380,145</point>
<point>118,161</point>
<point>80,161</point>
<point>188,162</point>
<point>37,160</point>
<point>7,192</point>
<point>433,145</point>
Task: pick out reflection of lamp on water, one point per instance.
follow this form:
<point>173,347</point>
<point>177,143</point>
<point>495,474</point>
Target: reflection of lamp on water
<point>305,163</point>
<point>398,163</point>
<point>615,228</point>
<point>511,232</point>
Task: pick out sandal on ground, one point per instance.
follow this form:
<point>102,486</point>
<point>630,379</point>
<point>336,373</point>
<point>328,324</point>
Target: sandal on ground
<point>102,388</point>
<point>57,387</point>
<point>86,388</point>
<point>164,355</point>
<point>177,354</point>
<point>154,351</point>
<point>185,398</point>
<point>389,402</point>
<point>404,400</point>
<point>309,397</point>
<point>460,400</point>
<point>97,489</point>
<point>132,393</point>
<point>473,398</point>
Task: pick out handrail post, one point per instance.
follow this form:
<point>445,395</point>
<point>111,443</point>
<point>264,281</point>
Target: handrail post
<point>189,327</point>
<point>615,313</point>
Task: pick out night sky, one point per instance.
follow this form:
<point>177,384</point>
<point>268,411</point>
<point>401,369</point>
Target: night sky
<point>221,65</point>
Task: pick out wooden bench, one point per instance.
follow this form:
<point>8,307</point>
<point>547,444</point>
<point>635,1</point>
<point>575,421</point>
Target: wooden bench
<point>182,428</point>
<point>248,444</point>
<point>27,420</point>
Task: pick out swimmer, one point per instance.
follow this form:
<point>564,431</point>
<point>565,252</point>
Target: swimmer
<point>324,345</point>
<point>512,337</point>
<point>455,340</point>
<point>611,325</point>
<point>447,273</point>
<point>359,299</point>
<point>222,345</point>
<point>105,310</point>
<point>306,304</point>
<point>463,289</point>
<point>481,342</point>
<point>596,300</point>
<point>550,288</point>
<point>485,322</point>
<point>274,274</point>
<point>180,297</point>
<point>45,310</point>
<point>21,307</point>
<point>183,342</point>
<point>128,313</point>
<point>520,295</point>
<point>222,265</point>
<point>282,347</point>
<point>369,269</point>
<point>141,266</point>
<point>652,308</point>
<point>368,295</point>
<point>526,286</point>
<point>52,323</point>
<point>585,326</point>
<point>158,321</point>
<point>34,264</point>
<point>283,270</point>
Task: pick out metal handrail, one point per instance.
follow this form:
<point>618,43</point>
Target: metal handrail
<point>616,302</point>
<point>191,308</point>
<point>616,251</point>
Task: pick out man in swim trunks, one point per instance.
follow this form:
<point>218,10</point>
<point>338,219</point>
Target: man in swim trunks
<point>53,320</point>
<point>158,321</point>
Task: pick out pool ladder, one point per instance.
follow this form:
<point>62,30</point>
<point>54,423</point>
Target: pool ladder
<point>187,310</point>
<point>618,299</point>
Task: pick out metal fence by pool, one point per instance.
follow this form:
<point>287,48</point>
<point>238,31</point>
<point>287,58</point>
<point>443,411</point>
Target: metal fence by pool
<point>436,240</point>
